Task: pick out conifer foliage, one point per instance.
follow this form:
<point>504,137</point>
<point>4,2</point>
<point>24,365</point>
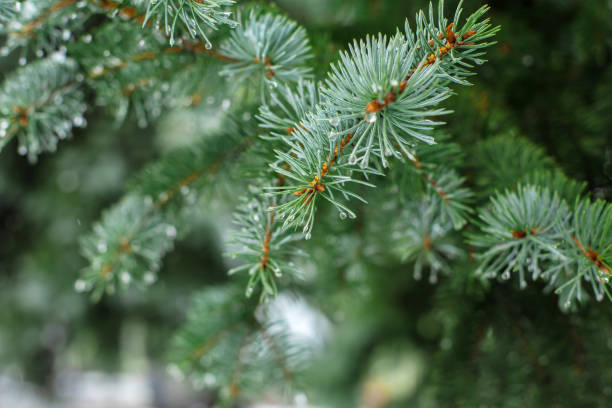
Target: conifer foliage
<point>292,148</point>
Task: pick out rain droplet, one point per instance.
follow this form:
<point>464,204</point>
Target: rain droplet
<point>101,247</point>
<point>171,231</point>
<point>80,285</point>
<point>343,216</point>
<point>149,278</point>
<point>79,121</point>
<point>125,277</point>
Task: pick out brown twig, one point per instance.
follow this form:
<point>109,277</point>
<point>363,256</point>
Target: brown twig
<point>592,256</point>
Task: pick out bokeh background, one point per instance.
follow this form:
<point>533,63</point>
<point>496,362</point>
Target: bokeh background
<point>549,78</point>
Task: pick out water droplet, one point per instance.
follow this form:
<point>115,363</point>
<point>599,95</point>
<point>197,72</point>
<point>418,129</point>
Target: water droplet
<point>343,216</point>
<point>80,285</point>
<point>149,278</point>
<point>87,38</point>
<point>506,275</point>
<point>334,121</point>
<point>249,291</point>
<point>101,247</point>
<point>523,284</point>
<point>97,70</point>
<point>208,45</point>
<point>371,117</point>
<point>210,379</point>
<point>433,278</point>
<point>278,273</point>
<point>171,231</point>
<point>226,104</point>
<point>79,121</point>
<point>23,61</point>
<point>125,277</point>
<point>307,235</point>
<point>300,399</point>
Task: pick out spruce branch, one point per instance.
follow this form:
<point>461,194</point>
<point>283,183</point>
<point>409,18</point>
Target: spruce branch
<point>312,151</point>
<point>568,189</point>
<point>262,246</point>
<point>43,25</point>
<point>245,351</point>
<point>287,107</point>
<point>501,161</point>
<point>129,242</point>
<point>422,236</point>
<point>129,67</point>
<point>197,16</point>
<point>381,91</point>
<point>126,246</point>
<point>40,104</point>
<point>268,49</point>
<point>587,249</point>
<point>133,14</point>
<point>453,198</point>
<point>520,233</point>
<point>8,8</point>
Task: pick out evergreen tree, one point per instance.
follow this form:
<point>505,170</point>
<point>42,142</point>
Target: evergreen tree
<point>336,188</point>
